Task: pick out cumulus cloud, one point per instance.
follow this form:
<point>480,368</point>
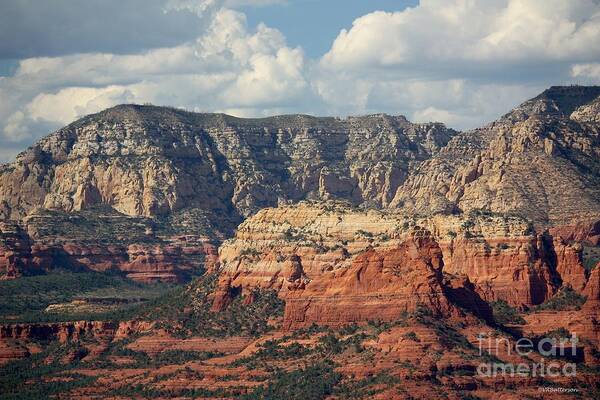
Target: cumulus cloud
<point>228,67</point>
<point>460,62</point>
<point>31,28</point>
<point>587,72</point>
<point>442,32</point>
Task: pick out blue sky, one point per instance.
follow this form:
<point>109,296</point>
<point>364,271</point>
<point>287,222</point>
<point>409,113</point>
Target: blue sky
<point>460,62</point>
<point>314,24</point>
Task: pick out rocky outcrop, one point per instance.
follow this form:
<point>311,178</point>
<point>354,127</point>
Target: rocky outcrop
<point>541,161</point>
<point>585,323</point>
<point>12,351</point>
<point>379,284</point>
<point>335,264</point>
<point>520,266</point>
<point>18,340</point>
<point>66,331</point>
<point>103,241</point>
<point>592,291</point>
<point>584,232</point>
<point>145,160</point>
<point>18,253</point>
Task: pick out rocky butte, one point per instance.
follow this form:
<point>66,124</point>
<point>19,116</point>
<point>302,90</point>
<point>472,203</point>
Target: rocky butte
<point>366,255</point>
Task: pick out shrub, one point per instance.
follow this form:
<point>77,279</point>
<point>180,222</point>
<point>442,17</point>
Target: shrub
<point>591,257</point>
<point>368,387</point>
<point>506,314</point>
<point>366,234</point>
<point>411,336</point>
<point>565,299</point>
<point>312,383</point>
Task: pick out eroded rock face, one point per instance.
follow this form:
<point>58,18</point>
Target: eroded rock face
<point>16,339</point>
<point>61,331</point>
<point>17,252</point>
<point>145,160</point>
<point>584,231</point>
<point>521,267</point>
<point>584,322</point>
<point>379,285</point>
<point>46,242</point>
<point>335,264</point>
<point>176,261</point>
<point>592,291</point>
<point>541,161</point>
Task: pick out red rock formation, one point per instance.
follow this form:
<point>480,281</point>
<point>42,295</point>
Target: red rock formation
<point>523,270</point>
<point>568,263</point>
<point>500,255</point>
<point>222,295</point>
<point>171,260</point>
<point>462,292</point>
<point>380,284</point>
<point>17,252</point>
<point>588,232</point>
<point>66,331</point>
<point>12,351</point>
<point>592,291</point>
<point>584,323</point>
<point>508,268</point>
<point>161,341</point>
<point>148,263</point>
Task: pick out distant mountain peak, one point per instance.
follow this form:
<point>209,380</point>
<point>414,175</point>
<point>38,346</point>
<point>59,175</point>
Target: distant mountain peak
<point>560,100</point>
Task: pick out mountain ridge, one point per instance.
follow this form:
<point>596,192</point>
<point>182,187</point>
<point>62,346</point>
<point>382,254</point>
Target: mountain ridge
<point>272,150</point>
<point>534,161</point>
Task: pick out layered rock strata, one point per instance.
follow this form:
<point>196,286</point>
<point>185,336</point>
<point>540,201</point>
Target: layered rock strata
<point>103,240</point>
<point>333,263</point>
<point>145,160</point>
<point>541,161</point>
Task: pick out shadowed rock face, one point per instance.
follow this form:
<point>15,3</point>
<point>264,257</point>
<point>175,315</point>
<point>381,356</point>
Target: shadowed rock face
<point>101,240</point>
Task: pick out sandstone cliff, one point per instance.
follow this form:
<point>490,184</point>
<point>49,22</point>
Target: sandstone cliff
<point>145,160</point>
<point>541,160</point>
<point>204,173</point>
<point>337,264</point>
<point>101,239</point>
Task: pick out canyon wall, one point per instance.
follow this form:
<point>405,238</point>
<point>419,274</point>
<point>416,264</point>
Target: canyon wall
<point>146,161</point>
<point>103,240</point>
<point>541,161</point>
<point>336,264</point>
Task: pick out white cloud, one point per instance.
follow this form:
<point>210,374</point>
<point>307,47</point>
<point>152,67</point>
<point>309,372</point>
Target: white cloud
<point>587,72</point>
<point>228,67</point>
<point>202,7</point>
<point>69,103</point>
<point>460,62</point>
<point>442,32</point>
<point>14,129</point>
<point>270,80</point>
